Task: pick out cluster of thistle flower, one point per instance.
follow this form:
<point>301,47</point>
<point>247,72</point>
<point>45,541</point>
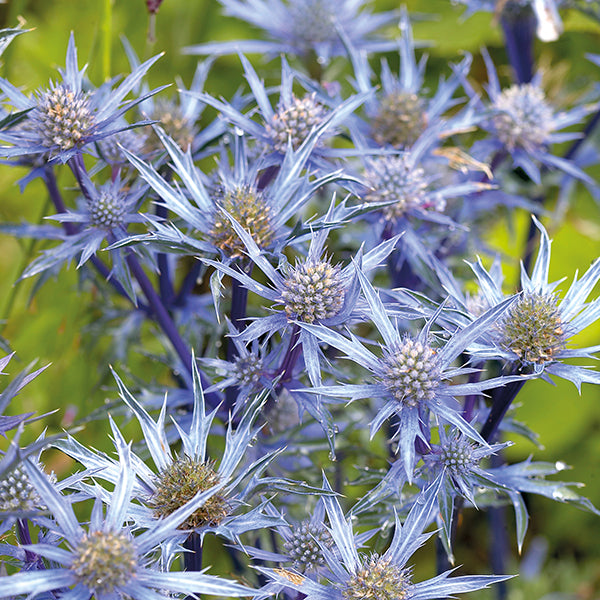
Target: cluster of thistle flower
<point>346,213</point>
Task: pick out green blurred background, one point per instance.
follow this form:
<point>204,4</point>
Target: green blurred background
<point>53,326</point>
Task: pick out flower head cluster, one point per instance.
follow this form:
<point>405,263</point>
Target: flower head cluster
<point>292,122</point>
<point>179,479</point>
<point>313,291</point>
<point>402,110</point>
<point>524,124</point>
<point>522,117</point>
<point>411,379</point>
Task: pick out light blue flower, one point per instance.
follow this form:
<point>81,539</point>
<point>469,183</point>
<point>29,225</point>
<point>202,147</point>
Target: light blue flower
<point>65,120</point>
<point>105,560</point>
<point>412,374</point>
<point>178,477</point>
<point>355,576</point>
<point>402,109</point>
<point>524,125</point>
<point>207,206</point>
<point>304,28</point>
<point>295,120</point>
<point>533,333</point>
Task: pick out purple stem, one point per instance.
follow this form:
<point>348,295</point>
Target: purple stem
<point>239,302</point>
<point>501,400</point>
<point>162,316</point>
<point>24,536</point>
<point>193,559</point>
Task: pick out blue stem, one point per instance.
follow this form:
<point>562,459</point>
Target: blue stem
<point>189,282</point>
<point>291,356</point>
<point>193,559</point>
<point>519,36</point>
<point>502,398</point>
<point>24,536</point>
<point>163,317</point>
<point>165,282</point>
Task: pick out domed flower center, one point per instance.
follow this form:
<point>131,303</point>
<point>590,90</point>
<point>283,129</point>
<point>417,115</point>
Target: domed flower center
<point>397,181</point>
<point>104,561</point>
<point>303,546</point>
<point>177,484</point>
<point>378,579</point>
<point>107,210</point>
<point>457,456</point>
<point>63,118</point>
<point>532,328</point>
<point>314,290</point>
<point>247,370</point>
<point>17,493</point>
<point>294,122</point>
<point>312,21</point>
<point>400,120</point>
<point>131,139</point>
<point>175,123</point>
<point>523,118</point>
<point>282,414</point>
<point>410,373</point>
<point>250,209</point>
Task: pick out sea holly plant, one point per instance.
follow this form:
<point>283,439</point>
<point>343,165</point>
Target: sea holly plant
<point>317,362</point>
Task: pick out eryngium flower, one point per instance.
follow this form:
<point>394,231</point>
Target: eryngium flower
<point>533,334</point>
<point>307,28</point>
<point>178,478</point>
<point>357,576</point>
<point>64,119</point>
<point>105,560</point>
<point>402,109</point>
<point>411,376</point>
<point>311,291</point>
<point>525,125</point>
<point>293,121</point>
<point>314,290</point>
<point>522,117</point>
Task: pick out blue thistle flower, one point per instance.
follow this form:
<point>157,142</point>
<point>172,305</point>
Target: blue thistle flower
<point>65,119</point>
<point>523,124</point>
<point>179,477</point>
<point>106,560</point>
<point>354,576</point>
<point>312,291</point>
<point>534,332</point>
<point>411,376</point>
<point>303,28</point>
<point>401,110</point>
<point>295,120</point>
<point>104,214</point>
<point>208,207</point>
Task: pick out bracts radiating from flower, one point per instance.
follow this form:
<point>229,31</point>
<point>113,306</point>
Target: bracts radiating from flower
<point>106,560</point>
<point>412,374</point>
<point>65,119</point>
<point>355,575</point>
